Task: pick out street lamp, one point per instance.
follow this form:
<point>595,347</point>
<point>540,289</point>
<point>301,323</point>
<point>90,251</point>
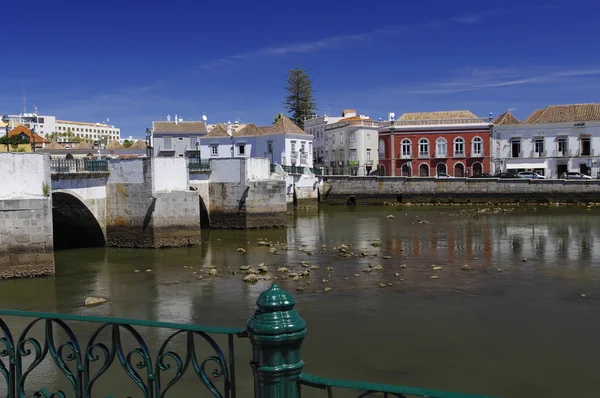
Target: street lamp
<point>148,147</point>
<point>198,150</point>
<point>5,119</point>
<point>33,139</point>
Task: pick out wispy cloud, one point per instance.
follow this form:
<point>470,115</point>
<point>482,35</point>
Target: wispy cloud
<point>479,79</point>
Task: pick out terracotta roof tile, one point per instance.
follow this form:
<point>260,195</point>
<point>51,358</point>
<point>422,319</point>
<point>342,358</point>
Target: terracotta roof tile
<point>441,117</point>
<point>179,127</point>
<point>506,118</point>
<point>219,131</point>
<point>565,114</point>
<point>283,125</point>
<point>24,130</point>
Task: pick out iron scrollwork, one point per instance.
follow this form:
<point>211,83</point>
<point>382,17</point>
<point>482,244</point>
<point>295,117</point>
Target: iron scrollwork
<point>84,365</point>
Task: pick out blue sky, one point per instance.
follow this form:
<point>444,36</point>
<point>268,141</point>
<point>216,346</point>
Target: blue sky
<point>137,62</point>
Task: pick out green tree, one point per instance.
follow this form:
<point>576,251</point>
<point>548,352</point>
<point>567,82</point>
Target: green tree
<point>14,140</point>
<point>276,118</point>
<point>299,101</point>
<point>127,144</point>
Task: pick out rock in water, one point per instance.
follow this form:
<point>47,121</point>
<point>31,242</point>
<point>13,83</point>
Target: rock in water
<point>466,267</point>
<point>376,243</point>
<point>433,277</point>
<point>94,301</point>
<point>241,250</point>
<point>251,278</point>
<point>437,268</point>
<point>282,269</point>
<point>391,216</point>
<point>212,272</point>
<point>263,268</point>
<point>245,267</point>
<point>327,289</point>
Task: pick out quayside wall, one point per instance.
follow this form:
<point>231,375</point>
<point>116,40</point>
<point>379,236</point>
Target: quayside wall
<point>379,190</point>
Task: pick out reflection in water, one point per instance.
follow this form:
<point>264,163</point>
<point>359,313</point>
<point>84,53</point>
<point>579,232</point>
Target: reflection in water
<point>526,323</point>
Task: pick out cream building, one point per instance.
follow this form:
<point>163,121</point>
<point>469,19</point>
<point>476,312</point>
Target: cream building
<point>351,145</point>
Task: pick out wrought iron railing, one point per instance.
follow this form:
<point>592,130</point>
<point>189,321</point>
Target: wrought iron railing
<point>293,169</point>
<point>195,164</point>
<point>318,171</point>
<point>78,165</point>
<point>276,332</point>
<point>84,364</point>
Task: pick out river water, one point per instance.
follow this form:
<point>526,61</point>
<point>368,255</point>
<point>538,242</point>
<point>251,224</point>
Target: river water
<point>515,325</point>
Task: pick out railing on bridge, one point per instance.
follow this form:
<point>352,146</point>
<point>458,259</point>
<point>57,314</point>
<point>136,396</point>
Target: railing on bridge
<point>195,164</point>
<point>276,332</point>
<point>78,165</point>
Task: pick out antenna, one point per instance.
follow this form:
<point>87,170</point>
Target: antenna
<point>24,103</point>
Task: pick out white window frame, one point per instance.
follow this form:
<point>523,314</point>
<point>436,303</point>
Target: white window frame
<point>458,143</point>
<point>441,147</point>
<point>477,141</point>
<point>424,148</point>
<point>214,150</point>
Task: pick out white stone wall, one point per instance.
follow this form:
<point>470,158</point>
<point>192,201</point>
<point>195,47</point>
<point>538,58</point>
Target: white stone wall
<point>258,169</point>
<point>23,175</point>
<point>226,170</point>
<point>169,174</point>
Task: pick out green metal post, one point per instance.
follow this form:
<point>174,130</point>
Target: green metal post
<point>276,332</point>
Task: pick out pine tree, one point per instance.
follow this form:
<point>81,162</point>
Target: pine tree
<point>299,101</point>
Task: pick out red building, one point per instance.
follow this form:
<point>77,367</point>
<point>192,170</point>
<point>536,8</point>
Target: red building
<point>428,144</point>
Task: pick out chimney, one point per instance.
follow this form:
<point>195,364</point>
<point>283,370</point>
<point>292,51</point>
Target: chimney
<point>391,116</point>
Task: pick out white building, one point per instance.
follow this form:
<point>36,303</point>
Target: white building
<point>351,145</point>
<point>46,125</point>
<point>284,143</point>
<point>316,127</point>
<point>551,141</point>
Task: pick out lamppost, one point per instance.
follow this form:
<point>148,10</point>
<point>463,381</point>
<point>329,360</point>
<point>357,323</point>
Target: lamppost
<point>148,142</point>
<point>33,139</point>
<point>231,135</point>
<point>198,150</point>
<point>271,151</point>
<point>5,119</point>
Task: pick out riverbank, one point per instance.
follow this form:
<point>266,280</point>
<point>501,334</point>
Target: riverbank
<point>379,190</point>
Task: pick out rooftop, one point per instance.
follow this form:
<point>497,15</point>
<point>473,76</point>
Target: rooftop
<point>506,118</point>
<point>83,123</point>
<point>283,126</point>
<point>570,113</point>
<point>24,130</point>
<point>179,127</point>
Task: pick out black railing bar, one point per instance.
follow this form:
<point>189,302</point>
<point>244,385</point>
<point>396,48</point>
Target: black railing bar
<point>232,387</point>
<point>124,321</point>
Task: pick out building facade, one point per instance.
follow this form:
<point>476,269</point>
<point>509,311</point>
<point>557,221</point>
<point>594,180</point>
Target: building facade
<point>177,138</point>
<point>64,130</point>
<point>351,146</point>
<point>283,143</point>
<point>315,126</point>
<point>551,141</point>
<point>428,144</point>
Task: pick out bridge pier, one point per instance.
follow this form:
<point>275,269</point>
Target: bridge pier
<point>26,244</point>
<point>148,204</point>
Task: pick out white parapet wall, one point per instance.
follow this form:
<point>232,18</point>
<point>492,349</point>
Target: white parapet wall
<point>169,174</point>
<point>24,175</point>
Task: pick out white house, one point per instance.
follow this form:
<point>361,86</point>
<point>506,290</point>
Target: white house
<point>315,126</point>
<point>351,146</point>
<point>283,143</point>
<point>551,141</point>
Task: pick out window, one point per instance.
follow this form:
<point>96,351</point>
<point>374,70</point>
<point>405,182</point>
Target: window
<point>586,146</point>
<point>423,148</point>
<point>459,147</point>
<point>368,155</point>
<point>477,146</point>
<point>214,150</point>
<point>270,147</point>
<point>341,138</point>
<point>293,146</point>
<point>562,147</point>
<point>41,120</point>
<point>515,146</point>
<point>538,146</point>
<point>406,148</point>
<point>352,160</point>
<point>193,142</point>
<point>180,138</point>
<point>302,146</point>
<point>167,142</point>
<point>369,138</point>
<point>310,148</point>
<point>353,136</point>
<point>241,149</point>
<point>333,156</point>
<point>441,148</point>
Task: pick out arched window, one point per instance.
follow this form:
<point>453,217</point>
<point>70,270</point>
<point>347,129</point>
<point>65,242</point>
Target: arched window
<point>423,148</point>
<point>406,148</point>
<point>441,148</point>
<point>381,149</point>
<point>459,146</point>
<point>477,147</point>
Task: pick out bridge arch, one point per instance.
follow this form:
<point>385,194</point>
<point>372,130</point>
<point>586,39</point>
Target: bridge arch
<point>74,224</point>
<point>204,215</point>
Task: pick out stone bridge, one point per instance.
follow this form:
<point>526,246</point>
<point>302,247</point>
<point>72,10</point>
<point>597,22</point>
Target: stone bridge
<point>141,203</point>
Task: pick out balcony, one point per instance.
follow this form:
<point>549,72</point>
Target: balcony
<point>477,154</point>
<point>368,163</point>
<point>535,154</point>
<point>562,154</point>
<point>424,155</point>
<point>296,170</point>
<point>441,155</point>
<point>458,154</point>
<point>405,156</point>
<point>515,155</point>
<point>294,157</point>
<point>333,163</point>
<point>303,158</point>
<point>353,163</point>
<point>78,165</point>
<point>585,153</point>
<point>195,164</point>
